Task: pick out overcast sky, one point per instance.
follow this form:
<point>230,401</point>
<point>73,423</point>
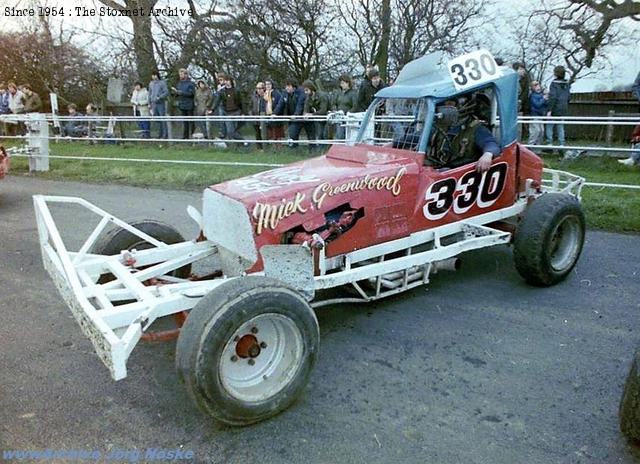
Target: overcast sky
<point>625,61</point>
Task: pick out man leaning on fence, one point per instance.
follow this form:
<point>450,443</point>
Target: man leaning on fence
<point>292,104</point>
<point>185,90</point>
<point>230,99</point>
<point>158,93</point>
<point>316,105</point>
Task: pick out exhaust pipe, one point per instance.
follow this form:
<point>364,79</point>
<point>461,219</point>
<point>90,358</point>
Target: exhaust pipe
<point>451,264</point>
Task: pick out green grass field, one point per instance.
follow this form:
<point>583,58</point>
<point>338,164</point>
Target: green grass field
<point>174,176</point>
<point>606,208</point>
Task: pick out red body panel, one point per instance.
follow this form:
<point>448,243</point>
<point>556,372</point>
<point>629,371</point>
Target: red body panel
<point>4,163</point>
<point>395,192</point>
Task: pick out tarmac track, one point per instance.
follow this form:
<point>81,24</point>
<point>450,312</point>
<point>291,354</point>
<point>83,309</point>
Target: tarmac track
<point>477,367</point>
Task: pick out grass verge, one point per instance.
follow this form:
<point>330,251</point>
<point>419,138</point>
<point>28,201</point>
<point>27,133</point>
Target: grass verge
<point>606,208</point>
<point>613,209</point>
<point>174,176</point>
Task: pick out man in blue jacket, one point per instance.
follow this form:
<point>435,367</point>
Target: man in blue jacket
<point>292,104</point>
<point>185,91</point>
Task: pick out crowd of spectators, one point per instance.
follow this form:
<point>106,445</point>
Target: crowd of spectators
<point>17,99</point>
<point>300,101</point>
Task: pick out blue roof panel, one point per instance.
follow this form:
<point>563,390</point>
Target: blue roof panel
<point>428,76</point>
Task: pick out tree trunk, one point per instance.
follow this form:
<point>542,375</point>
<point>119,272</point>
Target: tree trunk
<point>143,47</point>
<point>382,56</point>
<point>142,36</point>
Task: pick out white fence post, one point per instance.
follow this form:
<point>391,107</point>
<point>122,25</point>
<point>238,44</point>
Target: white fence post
<point>609,136</point>
<point>38,140</point>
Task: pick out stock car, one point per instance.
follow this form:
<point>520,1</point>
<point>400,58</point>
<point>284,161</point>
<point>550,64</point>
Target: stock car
<point>361,222</point>
<point>4,162</point>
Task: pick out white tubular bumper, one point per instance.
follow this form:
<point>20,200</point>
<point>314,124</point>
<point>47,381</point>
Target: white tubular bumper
<point>115,329</point>
<point>562,181</point>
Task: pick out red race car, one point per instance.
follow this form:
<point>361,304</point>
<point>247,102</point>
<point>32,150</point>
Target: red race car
<point>4,162</point>
<point>435,170</point>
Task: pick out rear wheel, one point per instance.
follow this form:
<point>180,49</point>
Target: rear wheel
<point>549,239</point>
<point>247,350</point>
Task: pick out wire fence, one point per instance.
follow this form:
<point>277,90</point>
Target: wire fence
<point>117,129</point>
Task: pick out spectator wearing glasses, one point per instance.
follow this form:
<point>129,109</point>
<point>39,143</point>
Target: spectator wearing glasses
<point>259,108</point>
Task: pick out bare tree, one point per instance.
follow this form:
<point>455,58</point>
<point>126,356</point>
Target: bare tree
<point>575,33</point>
<point>48,60</point>
<point>425,26</point>
<point>142,33</point>
<point>281,36</point>
<point>390,33</point>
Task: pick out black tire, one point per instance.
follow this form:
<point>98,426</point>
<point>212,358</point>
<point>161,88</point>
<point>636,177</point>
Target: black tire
<point>214,329</point>
<point>549,239</point>
<point>118,239</point>
<point>629,412</point>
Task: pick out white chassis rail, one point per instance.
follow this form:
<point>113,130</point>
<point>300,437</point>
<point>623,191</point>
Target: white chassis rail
<point>114,315</point>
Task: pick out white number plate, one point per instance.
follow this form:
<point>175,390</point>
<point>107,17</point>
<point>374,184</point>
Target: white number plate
<point>472,69</point>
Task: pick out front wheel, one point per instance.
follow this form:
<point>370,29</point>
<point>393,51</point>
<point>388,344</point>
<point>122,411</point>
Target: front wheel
<point>549,239</point>
<point>247,350</point>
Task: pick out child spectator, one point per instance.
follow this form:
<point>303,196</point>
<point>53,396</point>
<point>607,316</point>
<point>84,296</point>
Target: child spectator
<point>538,105</point>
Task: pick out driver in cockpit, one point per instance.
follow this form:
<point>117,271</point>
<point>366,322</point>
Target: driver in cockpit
<point>456,141</point>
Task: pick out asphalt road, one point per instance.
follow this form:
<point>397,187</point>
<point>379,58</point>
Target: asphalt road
<point>476,368</point>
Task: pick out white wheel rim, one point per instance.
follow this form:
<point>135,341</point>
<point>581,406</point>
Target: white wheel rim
<point>261,358</point>
<point>565,243</point>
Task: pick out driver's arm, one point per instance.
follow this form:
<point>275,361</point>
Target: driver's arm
<point>486,142</point>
